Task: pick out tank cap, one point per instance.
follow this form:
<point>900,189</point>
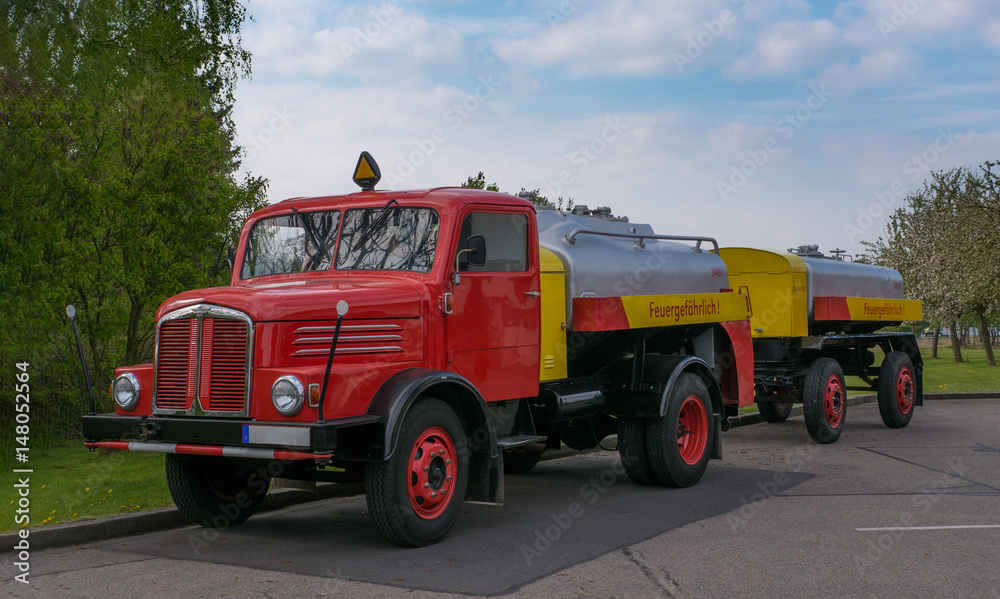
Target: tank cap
<point>811,251</point>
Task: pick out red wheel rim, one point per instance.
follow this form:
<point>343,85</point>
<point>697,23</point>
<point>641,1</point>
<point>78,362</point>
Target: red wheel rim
<point>433,467</point>
<point>905,390</point>
<point>692,430</point>
<point>833,401</point>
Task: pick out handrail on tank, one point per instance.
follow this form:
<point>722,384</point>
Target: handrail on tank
<point>571,238</point>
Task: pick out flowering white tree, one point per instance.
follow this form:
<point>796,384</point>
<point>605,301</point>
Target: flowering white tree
<point>945,241</point>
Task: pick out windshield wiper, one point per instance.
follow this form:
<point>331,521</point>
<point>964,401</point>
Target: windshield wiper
<point>375,226</point>
<point>307,225</point>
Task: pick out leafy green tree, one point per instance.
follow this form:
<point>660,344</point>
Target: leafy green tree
<point>117,176</point>
<point>532,195</point>
<point>479,182</point>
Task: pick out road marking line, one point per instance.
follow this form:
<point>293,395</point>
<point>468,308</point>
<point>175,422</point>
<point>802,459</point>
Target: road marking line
<point>957,526</point>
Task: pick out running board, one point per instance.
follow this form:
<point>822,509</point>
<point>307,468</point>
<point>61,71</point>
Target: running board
<point>508,442</point>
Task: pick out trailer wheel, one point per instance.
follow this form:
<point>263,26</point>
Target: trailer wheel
<point>521,459</point>
<point>632,450</point>
<point>414,497</point>
<point>897,389</point>
<point>824,402</point>
<point>214,491</point>
<point>679,444</point>
<point>775,412</point>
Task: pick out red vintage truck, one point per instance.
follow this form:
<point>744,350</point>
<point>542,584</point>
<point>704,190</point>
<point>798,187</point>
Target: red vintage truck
<point>425,342</point>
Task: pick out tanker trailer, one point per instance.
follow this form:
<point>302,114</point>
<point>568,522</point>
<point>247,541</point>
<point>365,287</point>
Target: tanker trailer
<point>816,318</point>
<point>643,325</point>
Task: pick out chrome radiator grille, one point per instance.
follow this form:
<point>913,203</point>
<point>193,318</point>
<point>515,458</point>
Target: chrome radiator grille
<point>203,362</point>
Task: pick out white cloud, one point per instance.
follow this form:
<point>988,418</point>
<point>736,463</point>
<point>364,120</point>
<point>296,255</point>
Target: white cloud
<point>992,34</point>
<point>788,47</point>
<point>882,68</point>
<point>384,42</point>
<point>624,37</point>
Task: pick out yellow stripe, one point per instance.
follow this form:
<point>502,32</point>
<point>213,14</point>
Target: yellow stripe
<point>867,308</point>
<point>692,308</point>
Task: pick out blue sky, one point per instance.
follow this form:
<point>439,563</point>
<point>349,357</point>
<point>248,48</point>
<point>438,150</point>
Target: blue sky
<point>767,123</point>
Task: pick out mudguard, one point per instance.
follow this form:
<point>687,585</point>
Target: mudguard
<point>393,401</point>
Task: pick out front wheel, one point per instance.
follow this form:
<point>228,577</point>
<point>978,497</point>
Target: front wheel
<point>214,491</point>
<point>824,400</point>
<point>897,389</point>
<point>414,497</point>
<point>679,444</point>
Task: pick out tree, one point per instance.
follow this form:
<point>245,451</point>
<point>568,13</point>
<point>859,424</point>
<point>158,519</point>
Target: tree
<point>118,167</point>
<point>533,196</point>
<point>479,182</point>
<point>945,241</point>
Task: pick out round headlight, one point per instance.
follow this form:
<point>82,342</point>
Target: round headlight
<point>288,395</point>
<point>125,391</point>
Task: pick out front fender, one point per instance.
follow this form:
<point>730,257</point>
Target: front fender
<point>394,399</point>
<point>396,395</point>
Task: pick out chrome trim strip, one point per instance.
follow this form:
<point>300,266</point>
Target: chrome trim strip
<point>349,350</point>
<point>350,327</point>
<point>329,340</point>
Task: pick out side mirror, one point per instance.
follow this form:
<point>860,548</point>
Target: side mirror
<point>475,248</point>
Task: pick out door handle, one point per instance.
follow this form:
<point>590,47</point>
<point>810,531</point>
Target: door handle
<point>533,294</point>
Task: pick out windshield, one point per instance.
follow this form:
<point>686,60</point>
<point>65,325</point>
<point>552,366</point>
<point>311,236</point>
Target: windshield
<point>405,241</point>
<point>291,243</point>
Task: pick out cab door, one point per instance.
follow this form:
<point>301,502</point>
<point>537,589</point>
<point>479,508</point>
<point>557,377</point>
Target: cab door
<point>494,325</point>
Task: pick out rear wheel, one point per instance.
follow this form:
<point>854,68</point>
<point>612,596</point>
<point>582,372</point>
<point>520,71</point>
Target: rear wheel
<point>775,412</point>
<point>897,389</point>
<point>679,444</point>
<point>521,459</point>
<point>215,491</point>
<point>632,450</point>
<point>414,497</point>
<point>824,402</point>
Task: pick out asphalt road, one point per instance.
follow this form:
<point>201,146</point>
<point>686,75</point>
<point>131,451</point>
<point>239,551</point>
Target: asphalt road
<point>881,513</point>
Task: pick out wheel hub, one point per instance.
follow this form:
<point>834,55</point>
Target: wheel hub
<point>432,471</point>
<point>905,390</point>
<point>834,401</point>
<point>692,430</point>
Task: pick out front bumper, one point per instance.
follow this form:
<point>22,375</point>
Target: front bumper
<point>355,438</point>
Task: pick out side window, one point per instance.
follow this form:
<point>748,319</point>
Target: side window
<point>506,241</point>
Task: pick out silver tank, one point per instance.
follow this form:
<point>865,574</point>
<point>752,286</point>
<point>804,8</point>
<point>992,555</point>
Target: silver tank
<point>601,266</point>
<point>827,277</point>
<point>832,276</point>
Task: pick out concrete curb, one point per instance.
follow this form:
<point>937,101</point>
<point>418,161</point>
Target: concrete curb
<point>857,400</point>
<point>112,527</point>
<point>126,525</point>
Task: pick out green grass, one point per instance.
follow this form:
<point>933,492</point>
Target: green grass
<point>70,483</point>
<point>944,375</point>
<point>941,375</point>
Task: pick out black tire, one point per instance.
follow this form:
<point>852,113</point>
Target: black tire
<point>680,443</point>
<point>824,404</point>
<point>897,389</point>
<point>405,511</point>
<point>214,491</point>
<point>521,459</point>
<point>632,450</point>
<point>775,412</point>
